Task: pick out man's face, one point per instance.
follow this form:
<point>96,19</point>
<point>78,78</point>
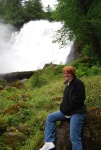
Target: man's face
<point>68,76</point>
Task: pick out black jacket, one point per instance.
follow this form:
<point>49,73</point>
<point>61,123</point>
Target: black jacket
<point>73,98</point>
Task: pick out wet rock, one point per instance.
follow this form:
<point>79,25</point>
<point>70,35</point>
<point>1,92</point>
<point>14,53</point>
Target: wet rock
<point>14,76</point>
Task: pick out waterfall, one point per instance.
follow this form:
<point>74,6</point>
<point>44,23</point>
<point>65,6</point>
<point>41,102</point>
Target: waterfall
<point>32,47</point>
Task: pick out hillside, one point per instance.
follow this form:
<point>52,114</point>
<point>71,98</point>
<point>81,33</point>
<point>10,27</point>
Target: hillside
<point>24,106</point>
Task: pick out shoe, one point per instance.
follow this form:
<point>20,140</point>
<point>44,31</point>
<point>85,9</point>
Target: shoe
<point>48,146</point>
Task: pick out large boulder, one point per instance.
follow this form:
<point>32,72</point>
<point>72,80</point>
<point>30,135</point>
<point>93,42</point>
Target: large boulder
<point>91,135</point>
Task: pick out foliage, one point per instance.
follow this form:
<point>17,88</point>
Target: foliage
<point>93,92</point>
<point>16,13</point>
<point>86,67</point>
<point>23,110</point>
<point>82,20</point>
<point>1,9</point>
<point>48,13</point>
<point>39,79</point>
<point>87,50</point>
<point>33,10</point>
<point>13,12</point>
<point>43,77</point>
<point>3,126</point>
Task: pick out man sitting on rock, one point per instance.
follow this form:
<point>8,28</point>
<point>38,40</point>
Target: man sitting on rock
<point>72,107</point>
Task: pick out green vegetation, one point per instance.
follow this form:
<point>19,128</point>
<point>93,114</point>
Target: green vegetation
<point>18,12</point>
<point>82,21</point>
<point>24,106</point>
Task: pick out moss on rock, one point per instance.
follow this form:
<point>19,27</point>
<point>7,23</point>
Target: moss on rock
<point>12,139</point>
<point>15,108</point>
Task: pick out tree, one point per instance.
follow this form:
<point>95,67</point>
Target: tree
<point>17,12</point>
<point>13,12</point>
<point>48,13</point>
<point>34,10</point>
<point>1,8</point>
<point>82,21</point>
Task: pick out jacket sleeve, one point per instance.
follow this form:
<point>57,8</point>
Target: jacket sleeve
<point>77,97</point>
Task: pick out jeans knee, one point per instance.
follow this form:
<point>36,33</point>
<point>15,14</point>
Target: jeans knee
<point>49,117</point>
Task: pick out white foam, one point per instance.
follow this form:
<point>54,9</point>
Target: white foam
<point>32,47</point>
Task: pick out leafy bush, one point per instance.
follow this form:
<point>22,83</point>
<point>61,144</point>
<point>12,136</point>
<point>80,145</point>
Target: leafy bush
<point>39,79</point>
<point>84,67</point>
<point>88,50</point>
<point>93,90</point>
<point>95,70</point>
<point>58,70</point>
<point>43,77</point>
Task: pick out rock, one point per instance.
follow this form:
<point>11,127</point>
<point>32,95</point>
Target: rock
<point>62,136</point>
<point>92,129</point>
<point>23,80</point>
<point>12,139</point>
<point>15,108</point>
<point>91,135</point>
<point>14,76</point>
<point>49,65</point>
<point>24,129</point>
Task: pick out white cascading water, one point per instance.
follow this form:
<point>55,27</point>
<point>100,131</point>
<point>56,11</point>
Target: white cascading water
<point>32,47</point>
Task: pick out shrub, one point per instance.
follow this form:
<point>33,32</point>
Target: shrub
<point>95,70</point>
<point>88,50</point>
<point>39,79</point>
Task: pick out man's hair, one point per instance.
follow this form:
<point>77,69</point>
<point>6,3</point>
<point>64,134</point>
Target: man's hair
<point>70,70</point>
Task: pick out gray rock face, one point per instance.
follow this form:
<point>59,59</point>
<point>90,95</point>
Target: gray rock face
<point>62,136</point>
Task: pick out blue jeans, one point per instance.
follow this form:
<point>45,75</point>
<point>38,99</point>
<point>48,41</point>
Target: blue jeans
<point>76,122</point>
